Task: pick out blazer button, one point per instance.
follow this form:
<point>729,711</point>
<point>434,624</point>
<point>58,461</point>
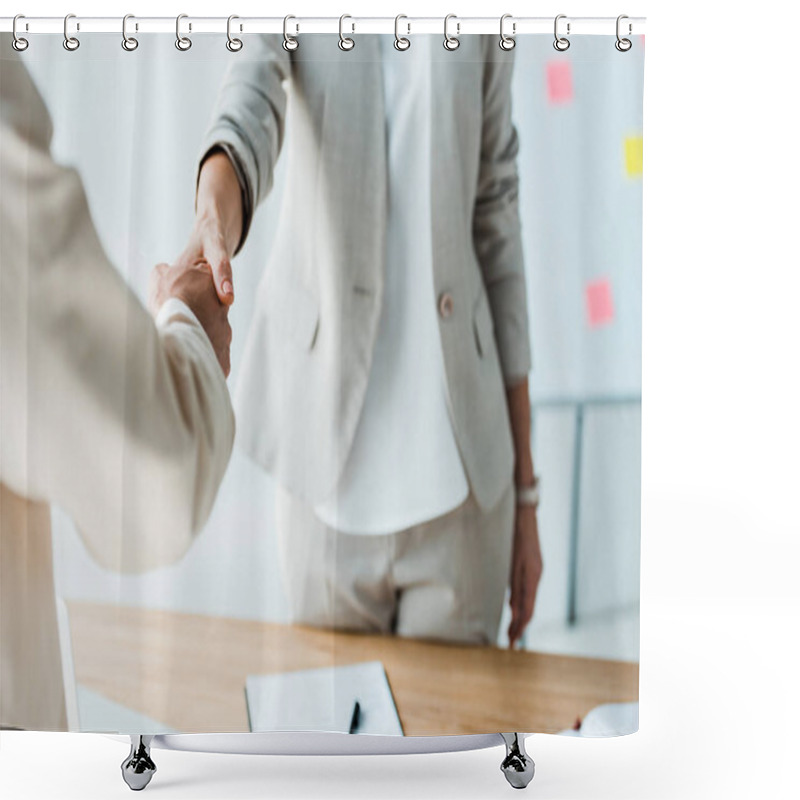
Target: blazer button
<point>445,304</point>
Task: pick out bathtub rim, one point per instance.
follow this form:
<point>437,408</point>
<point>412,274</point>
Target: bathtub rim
<point>317,743</point>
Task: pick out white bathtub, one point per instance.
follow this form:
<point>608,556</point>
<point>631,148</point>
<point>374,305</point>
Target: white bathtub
<point>318,743</point>
<point>138,768</point>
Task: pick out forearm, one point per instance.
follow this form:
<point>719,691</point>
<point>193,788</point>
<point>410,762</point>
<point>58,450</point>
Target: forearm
<point>497,235</point>
<point>519,411</point>
<point>219,198</point>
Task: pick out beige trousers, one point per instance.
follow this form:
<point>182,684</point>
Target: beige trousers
<point>444,579</point>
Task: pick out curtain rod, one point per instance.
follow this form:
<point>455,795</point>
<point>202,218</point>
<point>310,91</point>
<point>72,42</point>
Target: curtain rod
<point>299,25</point>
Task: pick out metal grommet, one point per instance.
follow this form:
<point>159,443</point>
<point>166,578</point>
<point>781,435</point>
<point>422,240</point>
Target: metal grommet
<point>128,42</point>
<point>71,43</point>
<point>401,42</point>
<point>623,45</point>
<point>451,42</point>
<point>183,43</point>
<point>19,43</point>
<point>290,43</point>
<point>561,43</point>
<point>507,42</point>
<point>233,44</point>
<point>345,42</point>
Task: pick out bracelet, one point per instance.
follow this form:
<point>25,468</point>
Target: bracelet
<point>529,495</point>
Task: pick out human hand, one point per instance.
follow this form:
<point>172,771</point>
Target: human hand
<point>193,283</point>
<point>207,244</point>
<point>526,571</point>
<point>218,223</point>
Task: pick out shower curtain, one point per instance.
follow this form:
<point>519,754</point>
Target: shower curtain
<point>320,382</point>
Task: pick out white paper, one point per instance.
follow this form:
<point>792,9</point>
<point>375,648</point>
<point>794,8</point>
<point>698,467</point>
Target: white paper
<point>323,700</point>
<point>610,719</point>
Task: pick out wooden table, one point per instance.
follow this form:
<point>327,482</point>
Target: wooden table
<point>188,671</point>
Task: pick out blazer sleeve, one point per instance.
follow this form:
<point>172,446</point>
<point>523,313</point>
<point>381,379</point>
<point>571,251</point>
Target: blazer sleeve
<point>249,119</point>
<point>125,424</point>
<point>496,223</point>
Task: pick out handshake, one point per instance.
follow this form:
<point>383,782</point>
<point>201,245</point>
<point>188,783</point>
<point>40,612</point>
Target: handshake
<point>206,289</point>
<point>202,275</point>
<point>193,283</point>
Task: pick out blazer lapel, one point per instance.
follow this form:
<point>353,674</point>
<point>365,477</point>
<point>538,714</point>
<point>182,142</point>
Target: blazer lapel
<point>354,149</point>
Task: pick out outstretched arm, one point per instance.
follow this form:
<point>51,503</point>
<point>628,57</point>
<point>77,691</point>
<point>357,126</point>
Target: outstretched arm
<point>125,424</point>
<point>218,222</point>
<point>237,158</point>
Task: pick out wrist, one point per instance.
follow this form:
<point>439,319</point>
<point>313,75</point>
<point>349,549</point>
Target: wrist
<point>212,224</point>
<point>174,306</point>
<point>527,494</point>
<point>218,200</point>
<point>524,474</point>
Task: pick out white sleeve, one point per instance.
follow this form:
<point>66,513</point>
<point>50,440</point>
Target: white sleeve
<point>171,308</point>
<point>124,423</point>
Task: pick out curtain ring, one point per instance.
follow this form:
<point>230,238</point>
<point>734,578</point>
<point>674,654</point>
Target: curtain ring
<point>507,42</point>
<point>623,45</point>
<point>345,42</point>
<point>290,43</point>
<point>451,42</point>
<point>401,42</point>
<point>71,43</point>
<point>182,42</point>
<point>233,44</point>
<point>19,43</point>
<point>129,43</point>
<point>561,43</point>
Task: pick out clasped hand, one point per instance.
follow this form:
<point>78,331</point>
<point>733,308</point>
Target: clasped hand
<point>192,281</point>
<point>202,275</point>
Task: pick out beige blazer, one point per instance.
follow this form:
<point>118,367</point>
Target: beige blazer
<point>125,425</point>
<point>307,357</point>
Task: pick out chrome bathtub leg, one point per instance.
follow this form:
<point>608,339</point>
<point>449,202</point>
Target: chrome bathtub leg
<point>138,768</point>
<point>517,766</point>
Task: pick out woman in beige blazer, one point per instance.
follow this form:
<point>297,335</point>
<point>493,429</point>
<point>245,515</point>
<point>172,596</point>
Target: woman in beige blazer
<point>308,356</point>
<point>127,425</point>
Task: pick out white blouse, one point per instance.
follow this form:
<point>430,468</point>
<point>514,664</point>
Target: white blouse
<point>404,467</point>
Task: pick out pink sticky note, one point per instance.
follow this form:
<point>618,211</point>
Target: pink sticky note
<point>559,81</point>
<point>599,305</point>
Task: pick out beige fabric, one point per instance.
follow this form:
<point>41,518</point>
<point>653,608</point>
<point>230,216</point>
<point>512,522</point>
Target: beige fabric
<point>309,350</point>
<point>445,579</point>
<point>126,426</point>
<point>31,684</point>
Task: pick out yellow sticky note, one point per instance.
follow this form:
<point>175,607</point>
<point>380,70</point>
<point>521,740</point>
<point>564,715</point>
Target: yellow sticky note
<point>633,156</point>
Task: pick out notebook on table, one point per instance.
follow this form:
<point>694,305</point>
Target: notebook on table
<point>323,699</point>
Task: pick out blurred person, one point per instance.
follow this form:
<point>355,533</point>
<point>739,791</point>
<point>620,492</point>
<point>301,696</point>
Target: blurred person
<point>122,421</point>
